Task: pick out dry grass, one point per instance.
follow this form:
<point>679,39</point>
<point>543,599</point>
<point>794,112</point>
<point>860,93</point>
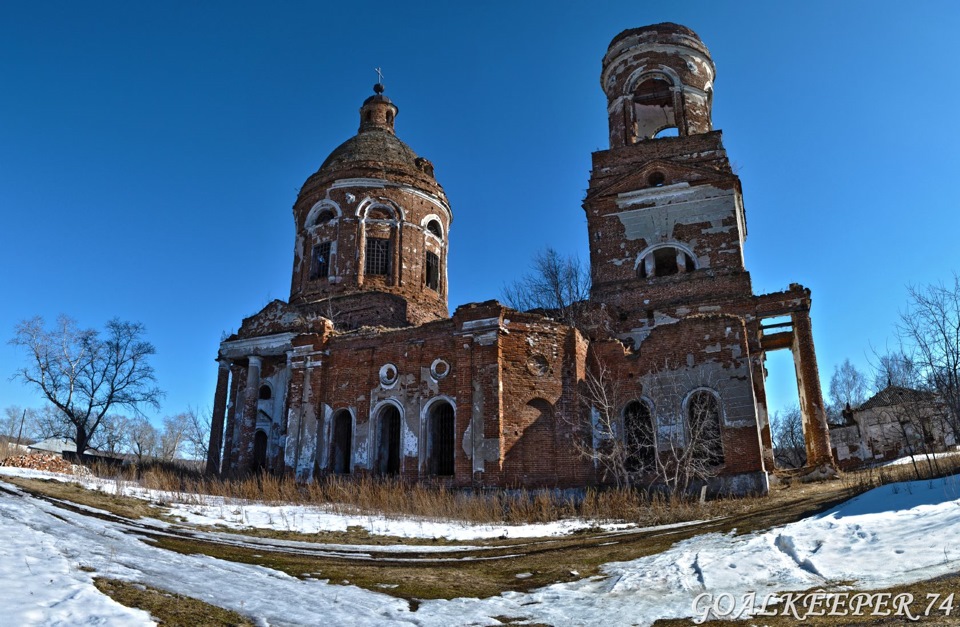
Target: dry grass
<point>353,495</point>
<point>362,494</point>
<point>168,608</point>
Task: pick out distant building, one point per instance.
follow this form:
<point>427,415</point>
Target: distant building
<point>57,446</point>
<point>364,371</point>
<point>894,423</point>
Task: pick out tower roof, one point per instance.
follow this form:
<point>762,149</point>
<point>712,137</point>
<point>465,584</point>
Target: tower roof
<point>663,33</point>
<point>376,150</point>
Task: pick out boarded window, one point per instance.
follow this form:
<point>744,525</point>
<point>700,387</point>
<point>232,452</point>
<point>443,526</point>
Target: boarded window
<point>638,437</point>
<point>388,448</point>
<point>441,440</point>
<point>378,256</point>
<point>433,272</point>
<point>342,444</point>
<point>320,265</point>
<point>703,424</point>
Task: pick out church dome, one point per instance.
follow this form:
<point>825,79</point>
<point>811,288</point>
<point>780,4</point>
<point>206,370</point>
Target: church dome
<point>375,151</point>
<point>371,146</point>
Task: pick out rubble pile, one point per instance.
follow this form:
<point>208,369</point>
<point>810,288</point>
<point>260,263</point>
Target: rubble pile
<point>42,461</point>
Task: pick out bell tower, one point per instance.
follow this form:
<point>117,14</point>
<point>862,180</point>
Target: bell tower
<point>664,209</point>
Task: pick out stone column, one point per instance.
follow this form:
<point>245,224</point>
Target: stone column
<point>216,421</point>
<point>815,429</point>
<point>249,424</point>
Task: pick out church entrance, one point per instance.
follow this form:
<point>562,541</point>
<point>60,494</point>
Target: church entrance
<point>259,451</point>
<point>388,450</point>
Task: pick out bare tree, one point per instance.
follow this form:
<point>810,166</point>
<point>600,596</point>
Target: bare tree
<point>19,422</point>
<point>789,445</point>
<point>600,428</point>
<point>197,435</point>
<point>142,439</point>
<point>929,332</point>
<point>85,375</point>
<point>848,388</point>
<point>664,432</point>
<point>111,436</point>
<point>555,284</point>
<point>896,369</point>
<point>173,437</point>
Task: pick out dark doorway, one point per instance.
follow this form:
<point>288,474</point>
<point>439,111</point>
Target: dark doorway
<point>440,440</point>
<point>639,441</point>
<point>259,451</point>
<point>388,450</point>
<point>342,444</point>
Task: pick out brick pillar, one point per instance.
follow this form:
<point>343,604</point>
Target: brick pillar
<point>216,421</point>
<point>815,429</point>
<point>231,435</point>
<point>249,424</point>
<point>763,417</point>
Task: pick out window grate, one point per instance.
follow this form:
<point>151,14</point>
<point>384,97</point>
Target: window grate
<point>320,266</point>
<point>378,256</point>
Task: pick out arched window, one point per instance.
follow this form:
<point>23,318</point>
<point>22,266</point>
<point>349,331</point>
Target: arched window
<point>638,440</point>
<point>653,107</point>
<point>433,226</point>
<point>388,445</point>
<point>265,392</point>
<point>342,443</point>
<point>324,216</point>
<point>703,426</point>
<point>440,439</point>
<point>665,261</point>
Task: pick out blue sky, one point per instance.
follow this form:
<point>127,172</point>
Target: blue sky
<point>150,153</point>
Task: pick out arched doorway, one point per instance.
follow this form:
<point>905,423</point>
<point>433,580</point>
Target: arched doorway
<point>388,444</point>
<point>440,439</point>
<point>259,451</point>
<point>342,443</point>
<point>703,426</point>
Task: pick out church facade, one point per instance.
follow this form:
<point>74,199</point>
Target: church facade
<point>363,370</point>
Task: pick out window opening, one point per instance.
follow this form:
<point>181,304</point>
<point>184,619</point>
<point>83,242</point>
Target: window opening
<point>378,256</point>
<point>433,272</point>
<point>320,266</point>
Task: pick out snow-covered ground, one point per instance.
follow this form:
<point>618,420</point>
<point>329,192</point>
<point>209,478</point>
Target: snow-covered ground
<point>921,460</point>
<point>895,534</point>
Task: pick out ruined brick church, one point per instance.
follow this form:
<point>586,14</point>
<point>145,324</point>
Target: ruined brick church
<point>363,370</point>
